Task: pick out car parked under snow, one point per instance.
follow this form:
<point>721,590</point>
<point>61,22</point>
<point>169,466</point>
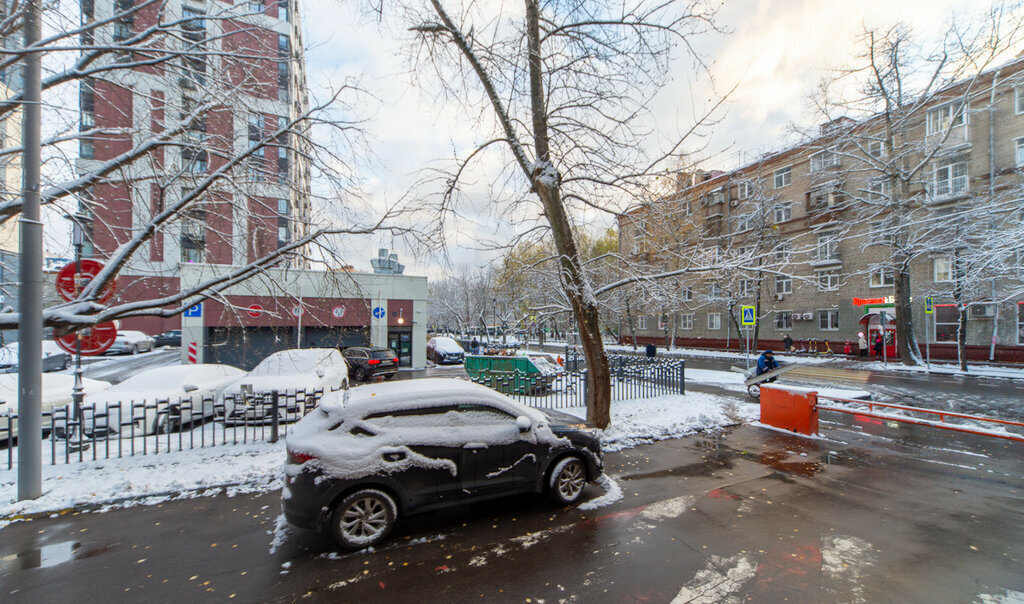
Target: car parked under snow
<point>370,455</point>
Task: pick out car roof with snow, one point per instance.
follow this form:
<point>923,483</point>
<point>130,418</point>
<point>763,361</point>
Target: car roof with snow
<point>420,394</point>
<point>297,361</point>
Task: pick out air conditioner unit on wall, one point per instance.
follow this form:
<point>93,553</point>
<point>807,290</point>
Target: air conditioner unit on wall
<point>808,316</point>
<point>779,297</point>
<point>981,311</point>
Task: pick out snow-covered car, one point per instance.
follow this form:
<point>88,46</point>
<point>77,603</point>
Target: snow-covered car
<point>443,350</point>
<point>156,401</point>
<point>287,372</point>
<point>54,357</point>
<point>57,389</point>
<point>371,453</point>
<point>131,342</point>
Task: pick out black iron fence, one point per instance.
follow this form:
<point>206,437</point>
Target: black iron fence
<point>125,429</point>
<point>631,377</point>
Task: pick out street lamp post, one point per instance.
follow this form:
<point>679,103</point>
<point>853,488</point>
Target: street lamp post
<point>78,392</point>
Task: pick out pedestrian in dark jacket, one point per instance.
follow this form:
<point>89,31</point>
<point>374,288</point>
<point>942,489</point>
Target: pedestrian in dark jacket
<point>878,344</point>
<point>474,346</point>
<point>787,342</point>
<point>651,351</point>
<point>766,362</point>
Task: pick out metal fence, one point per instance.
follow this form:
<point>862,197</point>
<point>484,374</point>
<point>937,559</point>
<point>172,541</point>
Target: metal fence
<point>125,429</point>
<point>631,378</point>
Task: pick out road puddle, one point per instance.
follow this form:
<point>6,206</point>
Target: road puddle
<point>49,555</point>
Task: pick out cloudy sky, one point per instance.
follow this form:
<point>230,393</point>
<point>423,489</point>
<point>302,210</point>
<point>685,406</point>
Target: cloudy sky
<point>775,52</point>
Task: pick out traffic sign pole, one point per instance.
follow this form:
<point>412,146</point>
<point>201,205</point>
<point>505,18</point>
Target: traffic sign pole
<point>929,309</point>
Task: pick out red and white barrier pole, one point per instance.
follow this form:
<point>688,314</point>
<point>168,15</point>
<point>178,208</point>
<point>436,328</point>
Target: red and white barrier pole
<point>192,353</point>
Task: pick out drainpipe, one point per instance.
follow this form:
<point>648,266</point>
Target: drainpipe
<point>991,195</point>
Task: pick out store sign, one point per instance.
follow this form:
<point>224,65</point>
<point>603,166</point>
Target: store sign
<point>866,301</point>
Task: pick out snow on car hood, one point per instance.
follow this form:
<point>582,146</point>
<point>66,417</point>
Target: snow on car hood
<point>56,390</point>
<point>282,383</point>
<point>327,433</point>
<point>446,345</point>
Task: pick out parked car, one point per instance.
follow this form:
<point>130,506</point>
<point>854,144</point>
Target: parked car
<point>57,388</point>
<point>375,453</point>
<point>54,357</point>
<point>444,350</point>
<point>286,371</point>
<point>366,362</point>
<point>156,401</point>
<point>131,342</point>
<point>168,338</point>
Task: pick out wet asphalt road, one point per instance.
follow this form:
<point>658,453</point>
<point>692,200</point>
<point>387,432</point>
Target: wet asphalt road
<point>878,514</point>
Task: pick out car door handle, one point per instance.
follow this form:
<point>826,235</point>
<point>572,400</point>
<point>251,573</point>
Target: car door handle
<point>394,456</point>
<point>475,446</point>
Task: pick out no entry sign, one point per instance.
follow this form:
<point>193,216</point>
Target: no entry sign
<point>255,310</point>
<point>95,340</point>
<point>69,283</point>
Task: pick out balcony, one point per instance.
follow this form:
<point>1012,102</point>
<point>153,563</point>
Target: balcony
<point>826,259</point>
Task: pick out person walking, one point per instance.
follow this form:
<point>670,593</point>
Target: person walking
<point>787,342</point>
<point>651,351</point>
<point>878,344</point>
<point>862,344</point>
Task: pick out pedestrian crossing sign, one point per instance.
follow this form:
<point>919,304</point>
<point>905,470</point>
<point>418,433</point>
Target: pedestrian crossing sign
<point>929,305</point>
<point>749,317</point>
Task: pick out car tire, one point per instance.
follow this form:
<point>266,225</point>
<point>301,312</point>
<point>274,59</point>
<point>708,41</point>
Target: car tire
<point>363,519</point>
<point>566,481</point>
<point>135,349</point>
<point>360,374</point>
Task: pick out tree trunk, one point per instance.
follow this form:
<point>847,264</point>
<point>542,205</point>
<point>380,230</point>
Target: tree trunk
<point>906,339</point>
<point>961,336</point>
<point>629,323</point>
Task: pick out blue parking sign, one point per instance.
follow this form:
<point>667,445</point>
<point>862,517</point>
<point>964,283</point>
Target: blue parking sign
<point>194,311</point>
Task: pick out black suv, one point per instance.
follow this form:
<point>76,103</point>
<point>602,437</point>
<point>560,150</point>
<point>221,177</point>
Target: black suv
<point>365,362</point>
<point>369,455</point>
<point>168,338</point>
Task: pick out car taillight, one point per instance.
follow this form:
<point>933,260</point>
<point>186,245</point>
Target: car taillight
<point>373,362</point>
<point>299,458</point>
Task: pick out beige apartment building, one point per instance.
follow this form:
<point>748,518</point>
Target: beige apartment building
<point>811,235</point>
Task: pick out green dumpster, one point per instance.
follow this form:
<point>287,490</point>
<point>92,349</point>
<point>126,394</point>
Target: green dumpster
<point>511,375</point>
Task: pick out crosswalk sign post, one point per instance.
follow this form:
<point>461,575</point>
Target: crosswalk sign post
<point>929,309</point>
<point>748,318</point>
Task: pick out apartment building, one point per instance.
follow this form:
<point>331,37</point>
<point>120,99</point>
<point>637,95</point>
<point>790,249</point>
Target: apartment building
<point>197,85</point>
<point>811,235</point>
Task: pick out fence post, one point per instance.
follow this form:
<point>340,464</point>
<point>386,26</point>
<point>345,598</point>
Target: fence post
<point>586,387</point>
<point>275,419</point>
<point>682,376</point>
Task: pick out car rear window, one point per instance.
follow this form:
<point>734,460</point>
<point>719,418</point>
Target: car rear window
<point>382,354</point>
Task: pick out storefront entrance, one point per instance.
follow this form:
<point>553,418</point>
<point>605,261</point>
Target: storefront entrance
<point>872,322</point>
<point>400,342</point>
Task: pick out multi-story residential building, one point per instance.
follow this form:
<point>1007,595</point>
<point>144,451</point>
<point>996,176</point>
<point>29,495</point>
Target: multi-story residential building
<point>10,187</point>
<point>230,77</point>
<point>812,235</point>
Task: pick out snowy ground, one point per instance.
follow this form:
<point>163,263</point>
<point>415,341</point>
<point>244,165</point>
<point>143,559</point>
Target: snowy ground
<point>256,467</point>
<point>947,369</point>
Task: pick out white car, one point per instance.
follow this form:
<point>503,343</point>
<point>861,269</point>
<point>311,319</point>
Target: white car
<point>442,350</point>
<point>57,389</point>
<point>287,372</point>
<point>132,342</point>
<point>157,400</point>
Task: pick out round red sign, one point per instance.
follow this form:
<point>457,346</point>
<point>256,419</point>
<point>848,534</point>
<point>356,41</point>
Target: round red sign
<point>95,340</point>
<point>68,286</point>
<point>255,310</point>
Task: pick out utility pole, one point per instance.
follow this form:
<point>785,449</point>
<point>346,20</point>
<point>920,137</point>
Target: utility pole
<point>30,300</point>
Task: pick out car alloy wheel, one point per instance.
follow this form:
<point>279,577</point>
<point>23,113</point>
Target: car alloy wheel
<point>360,374</point>
<point>135,349</point>
<point>567,481</point>
<point>363,518</point>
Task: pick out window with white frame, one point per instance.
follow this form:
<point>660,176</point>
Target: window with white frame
<point>784,320</point>
<point>1019,100</point>
<point>828,280</point>
<point>945,117</point>
<point>746,251</point>
<point>686,321</point>
<point>744,190</point>
<point>949,178</point>
<point>942,269</point>
<point>714,320</point>
<point>714,290</point>
<point>879,234</point>
<point>662,321</point>
<point>882,277</point>
<point>876,149</point>
<point>828,319</point>
<point>947,322</point>
<point>641,323</point>
<point>823,160</point>
<point>747,287</point>
<point>744,222</point>
<point>878,189</point>
<point>684,207</point>
<point>783,177</point>
<point>687,293</point>
<point>827,247</point>
<point>783,211</point>
<point>783,284</point>
<point>1020,152</point>
<point>783,251</point>
<point>1020,322</point>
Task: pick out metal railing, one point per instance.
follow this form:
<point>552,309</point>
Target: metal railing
<point>631,378</point>
<point>125,429</point>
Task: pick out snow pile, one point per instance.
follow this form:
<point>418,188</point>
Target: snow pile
<point>292,370</point>
<point>612,494</point>
<point>642,421</point>
<point>803,359</point>
<point>946,369</point>
<point>249,468</point>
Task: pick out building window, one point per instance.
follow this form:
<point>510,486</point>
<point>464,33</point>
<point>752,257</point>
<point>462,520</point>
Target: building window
<point>825,197</point>
<point>947,322</point>
<point>1020,152</point>
<point>193,236</point>
<point>945,117</point>
<point>714,290</point>
<point>1020,318</point>
<point>783,284</point>
<point>879,234</point>
<point>823,160</point>
<point>942,269</point>
<point>714,320</point>
<point>783,211</point>
<point>828,280</point>
<point>744,222</point>
<point>827,247</point>
<point>641,323</point>
<point>882,277</point>
<point>1018,99</point>
<point>194,160</point>
<point>283,58</point>
<point>747,287</point>
<point>257,6</point>
<point>876,149</point>
<point>282,10</point>
<point>744,190</point>
<point>124,19</point>
<point>784,320</point>
<point>878,189</point>
<point>686,321</point>
<point>783,177</point>
<point>828,319</point>
<point>687,293</point>
<point>783,251</point>
<point>949,179</point>
<point>662,321</point>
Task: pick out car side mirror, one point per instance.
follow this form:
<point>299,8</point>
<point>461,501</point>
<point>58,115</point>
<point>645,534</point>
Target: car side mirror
<point>523,423</point>
<point>189,387</point>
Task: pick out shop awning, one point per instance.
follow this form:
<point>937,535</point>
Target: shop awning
<point>876,318</point>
